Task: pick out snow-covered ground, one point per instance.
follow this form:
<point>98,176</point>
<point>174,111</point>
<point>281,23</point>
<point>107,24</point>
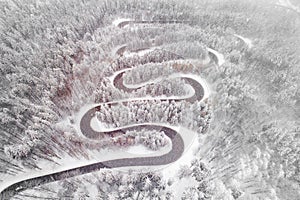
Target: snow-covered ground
<point>139,150</point>
<point>116,50</point>
<point>188,136</point>
<point>67,162</point>
<point>190,142</point>
<point>289,5</point>
<point>220,57</point>
<point>247,41</point>
<point>140,53</point>
<point>205,85</point>
<point>170,171</point>
<point>117,22</point>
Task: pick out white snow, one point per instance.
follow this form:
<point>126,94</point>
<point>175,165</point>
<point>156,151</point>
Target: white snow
<point>247,41</point>
<point>77,117</point>
<point>139,150</point>
<point>170,170</point>
<point>117,22</point>
<point>191,144</point>
<point>205,85</point>
<point>139,53</point>
<point>67,162</point>
<point>221,58</point>
<point>115,50</point>
<point>180,185</point>
<point>288,4</point>
<point>97,125</point>
<point>201,62</point>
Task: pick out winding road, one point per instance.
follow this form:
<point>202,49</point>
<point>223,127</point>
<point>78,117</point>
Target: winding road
<point>288,5</point>
<point>85,126</point>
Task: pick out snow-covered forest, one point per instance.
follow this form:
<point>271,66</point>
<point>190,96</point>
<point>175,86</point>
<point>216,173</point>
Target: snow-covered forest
<point>222,74</point>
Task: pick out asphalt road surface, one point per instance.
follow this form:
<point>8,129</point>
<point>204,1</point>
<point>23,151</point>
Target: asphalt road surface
<point>174,154</point>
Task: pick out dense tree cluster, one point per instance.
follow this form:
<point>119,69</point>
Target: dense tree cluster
<point>37,55</point>
<point>150,138</point>
<point>279,81</point>
<point>74,59</point>
<point>138,185</point>
<point>141,112</point>
<point>200,173</point>
<point>188,49</point>
<point>155,56</point>
<point>254,86</point>
<point>108,184</point>
<point>169,87</point>
<point>236,95</point>
<point>22,150</point>
<point>198,116</point>
<point>283,144</point>
<point>55,56</point>
<point>58,41</point>
<point>147,72</point>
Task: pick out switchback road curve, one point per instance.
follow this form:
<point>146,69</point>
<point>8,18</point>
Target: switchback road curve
<point>85,126</point>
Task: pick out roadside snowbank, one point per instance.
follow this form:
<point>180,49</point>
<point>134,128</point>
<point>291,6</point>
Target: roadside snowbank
<point>117,22</point>
<point>247,41</point>
<point>220,57</point>
<point>67,162</point>
<point>139,150</point>
<point>139,53</point>
<point>170,170</point>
